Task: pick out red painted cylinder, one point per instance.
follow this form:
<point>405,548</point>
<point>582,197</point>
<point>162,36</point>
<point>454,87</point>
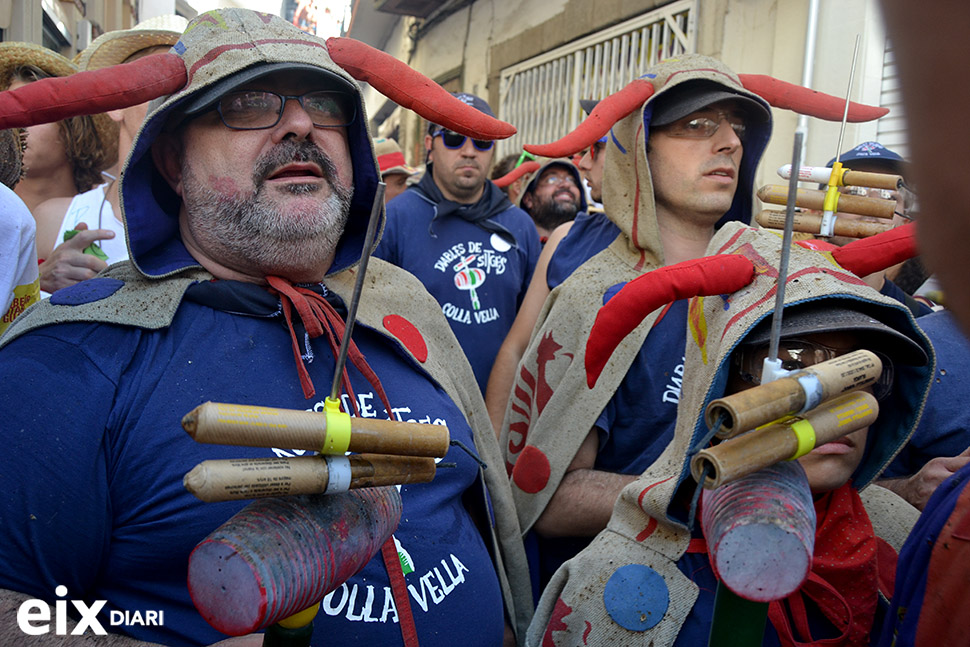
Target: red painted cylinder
<point>276,557</point>
<point>760,532</point>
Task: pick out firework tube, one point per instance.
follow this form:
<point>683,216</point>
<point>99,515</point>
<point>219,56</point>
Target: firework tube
<point>812,199</point>
<point>606,113</point>
<point>254,478</point>
<point>785,439</point>
<point>277,557</point>
<point>810,222</point>
<point>771,509</point>
<point>821,174</point>
<point>238,424</point>
<point>516,173</point>
<point>795,394</point>
<point>92,91</point>
<point>805,101</point>
<point>407,87</point>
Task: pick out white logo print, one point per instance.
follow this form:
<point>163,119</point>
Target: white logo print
<point>34,616</point>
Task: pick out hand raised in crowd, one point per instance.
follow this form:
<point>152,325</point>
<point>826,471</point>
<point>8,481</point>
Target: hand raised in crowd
<point>918,488</point>
<point>68,264</point>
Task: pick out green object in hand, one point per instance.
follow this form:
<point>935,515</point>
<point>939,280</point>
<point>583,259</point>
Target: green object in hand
<point>93,249</point>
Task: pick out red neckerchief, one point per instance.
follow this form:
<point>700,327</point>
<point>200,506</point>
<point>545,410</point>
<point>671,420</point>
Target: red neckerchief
<point>319,317</point>
<point>844,582</point>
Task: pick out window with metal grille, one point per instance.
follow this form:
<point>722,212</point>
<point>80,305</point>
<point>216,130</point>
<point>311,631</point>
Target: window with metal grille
<point>540,96</point>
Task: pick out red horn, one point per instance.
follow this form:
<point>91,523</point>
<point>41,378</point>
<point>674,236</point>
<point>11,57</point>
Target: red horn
<point>516,173</point>
<point>407,87</point>
<point>606,113</point>
<point>93,91</point>
<point>782,94</point>
<point>711,275</point>
<point>875,253</point>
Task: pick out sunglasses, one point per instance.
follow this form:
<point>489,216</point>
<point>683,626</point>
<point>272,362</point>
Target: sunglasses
<point>454,141</point>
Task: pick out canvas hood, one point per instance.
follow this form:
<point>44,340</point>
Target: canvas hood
<point>718,324</point>
<point>216,46</point>
<point>627,184</point>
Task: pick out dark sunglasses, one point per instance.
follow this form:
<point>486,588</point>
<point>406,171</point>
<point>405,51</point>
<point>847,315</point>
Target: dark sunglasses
<point>454,141</point>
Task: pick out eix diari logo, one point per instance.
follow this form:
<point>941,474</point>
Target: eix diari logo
<point>34,616</point>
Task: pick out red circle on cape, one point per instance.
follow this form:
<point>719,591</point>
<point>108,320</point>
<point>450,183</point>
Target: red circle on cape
<point>408,334</point>
<point>531,471</point>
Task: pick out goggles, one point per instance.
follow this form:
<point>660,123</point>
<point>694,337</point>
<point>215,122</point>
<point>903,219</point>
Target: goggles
<point>260,109</point>
<point>454,141</point>
<point>796,354</point>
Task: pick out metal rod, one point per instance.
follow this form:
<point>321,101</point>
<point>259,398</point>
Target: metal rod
<point>358,287</point>
<point>848,95</point>
<point>785,251</point>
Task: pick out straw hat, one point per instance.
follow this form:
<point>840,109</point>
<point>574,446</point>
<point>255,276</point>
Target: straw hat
<point>14,54</point>
<point>114,47</point>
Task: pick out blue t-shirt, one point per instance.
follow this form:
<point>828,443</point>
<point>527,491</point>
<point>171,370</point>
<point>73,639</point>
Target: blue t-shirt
<point>637,423</point>
<point>590,234</point>
<point>477,276</point>
<point>944,429</point>
<point>94,456</point>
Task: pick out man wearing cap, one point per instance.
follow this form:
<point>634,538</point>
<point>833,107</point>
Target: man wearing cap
<point>88,232</point>
<point>394,170</point>
<point>553,196</point>
<point>246,197</point>
<point>667,189</point>
<point>473,250</point>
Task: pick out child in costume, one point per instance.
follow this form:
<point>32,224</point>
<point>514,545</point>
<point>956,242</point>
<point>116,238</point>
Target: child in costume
<point>649,554</point>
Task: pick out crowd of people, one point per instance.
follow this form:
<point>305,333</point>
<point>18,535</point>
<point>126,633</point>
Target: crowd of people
<point>571,327</point>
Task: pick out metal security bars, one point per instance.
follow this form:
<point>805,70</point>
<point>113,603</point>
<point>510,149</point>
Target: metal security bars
<point>540,96</point>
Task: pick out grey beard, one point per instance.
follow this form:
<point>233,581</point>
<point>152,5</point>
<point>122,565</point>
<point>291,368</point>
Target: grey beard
<point>255,231</point>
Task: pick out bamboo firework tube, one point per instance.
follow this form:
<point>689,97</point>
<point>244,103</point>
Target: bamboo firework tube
<point>785,440</point>
<point>255,478</point>
<point>812,199</point>
<point>810,222</point>
<point>238,424</point>
<point>872,180</point>
<point>795,394</point>
<point>821,175</point>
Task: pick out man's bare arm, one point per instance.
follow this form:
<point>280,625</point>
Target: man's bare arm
<point>502,377</point>
<point>583,503</point>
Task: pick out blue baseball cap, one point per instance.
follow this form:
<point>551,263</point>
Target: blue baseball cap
<point>872,153</point>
